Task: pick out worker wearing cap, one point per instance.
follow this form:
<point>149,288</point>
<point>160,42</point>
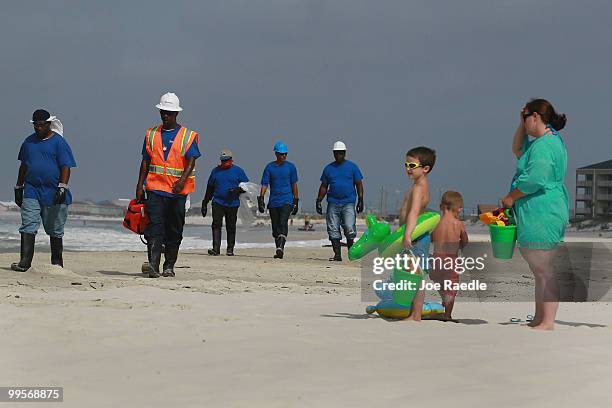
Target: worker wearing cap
<point>223,188</point>
<point>281,177</point>
<point>42,187</point>
<point>339,181</point>
<point>169,153</point>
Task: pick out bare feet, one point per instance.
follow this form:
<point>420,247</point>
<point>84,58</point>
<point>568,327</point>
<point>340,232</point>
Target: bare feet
<point>544,326</point>
<point>413,318</point>
<point>532,321</point>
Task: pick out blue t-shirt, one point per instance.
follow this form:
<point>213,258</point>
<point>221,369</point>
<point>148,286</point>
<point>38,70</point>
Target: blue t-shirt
<point>280,178</point>
<point>167,140</point>
<point>45,159</point>
<point>223,180</point>
<point>340,180</point>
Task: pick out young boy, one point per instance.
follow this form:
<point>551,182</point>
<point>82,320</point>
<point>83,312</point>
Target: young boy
<point>448,237</point>
<point>419,162</point>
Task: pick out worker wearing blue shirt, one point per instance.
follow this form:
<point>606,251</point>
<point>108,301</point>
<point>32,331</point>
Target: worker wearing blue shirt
<point>42,187</point>
<point>339,181</point>
<point>223,188</point>
<point>281,176</point>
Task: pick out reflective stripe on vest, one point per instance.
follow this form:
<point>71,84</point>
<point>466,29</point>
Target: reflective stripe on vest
<point>186,137</point>
<point>182,133</point>
<point>151,137</point>
<point>170,171</point>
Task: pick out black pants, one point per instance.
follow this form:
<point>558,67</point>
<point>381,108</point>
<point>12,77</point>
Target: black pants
<point>231,215</point>
<point>166,219</point>
<point>280,218</point>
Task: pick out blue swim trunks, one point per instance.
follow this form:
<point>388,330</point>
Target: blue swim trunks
<point>420,249</point>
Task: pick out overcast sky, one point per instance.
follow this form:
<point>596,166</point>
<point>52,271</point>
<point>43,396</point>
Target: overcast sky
<point>382,76</point>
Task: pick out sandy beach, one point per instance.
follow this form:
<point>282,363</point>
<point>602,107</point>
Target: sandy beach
<point>250,331</point>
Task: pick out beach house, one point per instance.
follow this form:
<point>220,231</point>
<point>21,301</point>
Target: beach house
<point>594,191</point>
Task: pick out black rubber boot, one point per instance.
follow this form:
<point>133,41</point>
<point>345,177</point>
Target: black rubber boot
<point>145,268</point>
<point>231,242</point>
<point>336,247</point>
<point>170,259</point>
<point>27,253</point>
<point>57,247</point>
<point>349,242</point>
<point>277,244</point>
<point>155,258</point>
<point>280,247</point>
<point>216,244</point>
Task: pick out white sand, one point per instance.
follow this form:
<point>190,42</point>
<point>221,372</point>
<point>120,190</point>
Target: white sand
<point>250,331</point>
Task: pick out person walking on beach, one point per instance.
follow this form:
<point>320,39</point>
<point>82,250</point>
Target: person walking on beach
<point>342,182</point>
<point>169,153</point>
<point>540,201</point>
<point>42,187</point>
<point>281,176</point>
<point>223,188</point>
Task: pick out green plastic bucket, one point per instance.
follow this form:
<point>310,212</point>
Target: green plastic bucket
<point>404,297</point>
<point>503,240</point>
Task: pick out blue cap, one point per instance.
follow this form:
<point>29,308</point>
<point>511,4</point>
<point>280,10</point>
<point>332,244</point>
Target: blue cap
<point>280,147</point>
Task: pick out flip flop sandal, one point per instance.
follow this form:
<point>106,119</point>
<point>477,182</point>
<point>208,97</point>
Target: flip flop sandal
<point>515,320</point>
<point>529,318</point>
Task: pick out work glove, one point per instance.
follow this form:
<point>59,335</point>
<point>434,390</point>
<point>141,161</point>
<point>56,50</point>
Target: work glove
<point>60,195</point>
<point>261,205</point>
<point>319,207</point>
<point>295,206</point>
<point>19,196</point>
<point>359,207</point>
<point>236,191</point>
<point>204,209</point>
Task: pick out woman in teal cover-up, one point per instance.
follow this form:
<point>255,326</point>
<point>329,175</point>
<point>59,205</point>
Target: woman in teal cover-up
<point>540,201</point>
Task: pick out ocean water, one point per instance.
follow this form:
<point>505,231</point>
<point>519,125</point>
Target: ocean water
<point>110,235</point>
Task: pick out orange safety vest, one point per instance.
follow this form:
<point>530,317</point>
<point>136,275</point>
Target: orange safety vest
<point>164,173</point>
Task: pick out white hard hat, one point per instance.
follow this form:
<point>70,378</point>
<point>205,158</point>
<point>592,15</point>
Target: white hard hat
<point>339,146</point>
<point>169,102</point>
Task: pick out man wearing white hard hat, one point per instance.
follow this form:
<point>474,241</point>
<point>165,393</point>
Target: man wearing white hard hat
<point>342,182</point>
<point>169,153</point>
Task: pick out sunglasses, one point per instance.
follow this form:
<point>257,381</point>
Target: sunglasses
<point>528,114</point>
<point>412,165</point>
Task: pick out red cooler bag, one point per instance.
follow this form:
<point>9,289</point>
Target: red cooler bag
<point>136,217</point>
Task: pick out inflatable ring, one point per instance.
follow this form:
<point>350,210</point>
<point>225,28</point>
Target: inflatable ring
<point>378,235</point>
<point>386,308</point>
<point>394,243</point>
<point>370,240</point>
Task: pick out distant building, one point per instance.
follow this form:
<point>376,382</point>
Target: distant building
<point>594,190</point>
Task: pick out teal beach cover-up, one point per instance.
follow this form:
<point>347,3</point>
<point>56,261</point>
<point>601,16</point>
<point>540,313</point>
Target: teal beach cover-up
<point>542,215</point>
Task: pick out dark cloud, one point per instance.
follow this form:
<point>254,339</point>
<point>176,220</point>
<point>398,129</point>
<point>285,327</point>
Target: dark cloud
<point>382,76</point>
